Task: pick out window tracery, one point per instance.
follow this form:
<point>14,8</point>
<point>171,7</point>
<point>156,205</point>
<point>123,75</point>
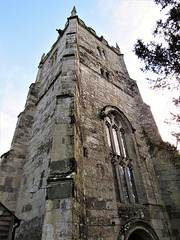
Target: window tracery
<point>101,53</point>
<point>117,137</point>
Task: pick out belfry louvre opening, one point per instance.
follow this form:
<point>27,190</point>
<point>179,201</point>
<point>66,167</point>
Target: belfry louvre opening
<point>77,135</point>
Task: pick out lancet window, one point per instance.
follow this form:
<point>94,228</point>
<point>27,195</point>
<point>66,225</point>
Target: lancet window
<point>117,136</point>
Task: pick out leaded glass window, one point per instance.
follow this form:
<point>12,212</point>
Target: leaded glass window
<point>122,164</point>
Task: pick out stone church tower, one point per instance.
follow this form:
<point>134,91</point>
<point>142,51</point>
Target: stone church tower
<point>87,160</point>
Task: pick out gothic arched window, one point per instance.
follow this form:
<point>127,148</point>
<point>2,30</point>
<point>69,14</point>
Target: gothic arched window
<point>119,141</point>
<point>98,51</point>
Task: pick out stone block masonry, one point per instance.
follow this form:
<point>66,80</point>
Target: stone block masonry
<point>81,144</point>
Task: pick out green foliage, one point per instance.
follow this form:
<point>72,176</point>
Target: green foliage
<point>163,58</point>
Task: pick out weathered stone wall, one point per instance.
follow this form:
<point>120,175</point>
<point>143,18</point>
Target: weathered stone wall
<point>60,141</point>
<point>96,89</point>
<point>10,177</point>
<point>12,162</point>
<point>59,204</point>
<point>36,168</point>
<point>45,145</point>
<point>168,174</point>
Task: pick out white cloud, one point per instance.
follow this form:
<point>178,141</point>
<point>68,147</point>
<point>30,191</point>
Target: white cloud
<point>12,105</point>
<point>7,125</point>
<point>12,99</point>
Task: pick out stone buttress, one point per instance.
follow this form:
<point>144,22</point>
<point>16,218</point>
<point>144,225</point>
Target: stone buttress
<point>85,160</point>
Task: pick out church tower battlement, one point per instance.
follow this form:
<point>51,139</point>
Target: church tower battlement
<point>79,165</point>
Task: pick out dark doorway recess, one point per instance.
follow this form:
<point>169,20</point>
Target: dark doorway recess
<point>140,234</point>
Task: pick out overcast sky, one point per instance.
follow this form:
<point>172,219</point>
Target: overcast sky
<point>28,29</point>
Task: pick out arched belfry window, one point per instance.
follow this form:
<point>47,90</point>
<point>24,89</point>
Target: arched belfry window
<point>119,139</point>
